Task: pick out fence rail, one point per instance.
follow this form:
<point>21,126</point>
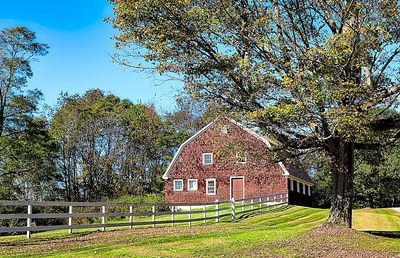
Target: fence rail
<point>217,209</point>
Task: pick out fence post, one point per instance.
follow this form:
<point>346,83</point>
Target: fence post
<point>252,205</point>
<point>28,222</point>
<point>70,219</point>
<point>173,215</point>
<point>190,215</point>
<point>287,197</point>
<point>103,218</point>
<point>130,216</point>
<point>153,216</point>
<point>205,214</point>
<point>242,205</point>
<point>260,199</point>
<point>217,211</point>
<point>233,208</point>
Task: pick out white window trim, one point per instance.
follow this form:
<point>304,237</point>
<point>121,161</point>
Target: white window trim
<point>212,158</point>
<point>245,158</point>
<point>215,186</point>
<point>291,183</point>
<point>179,190</point>
<point>298,186</point>
<point>197,184</point>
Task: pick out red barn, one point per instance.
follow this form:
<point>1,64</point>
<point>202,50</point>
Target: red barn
<point>224,160</point>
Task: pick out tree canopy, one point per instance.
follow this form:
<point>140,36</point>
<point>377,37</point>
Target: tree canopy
<point>18,48</point>
<point>108,147</point>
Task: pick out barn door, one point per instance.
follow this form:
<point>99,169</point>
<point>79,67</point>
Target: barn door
<point>237,188</point>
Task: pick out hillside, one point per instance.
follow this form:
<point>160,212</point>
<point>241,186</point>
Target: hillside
<point>291,232</point>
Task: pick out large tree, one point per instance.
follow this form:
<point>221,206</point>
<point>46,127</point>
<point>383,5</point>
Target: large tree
<point>308,72</point>
<point>18,48</point>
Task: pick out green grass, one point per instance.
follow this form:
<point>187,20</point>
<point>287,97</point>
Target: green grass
<point>270,233</point>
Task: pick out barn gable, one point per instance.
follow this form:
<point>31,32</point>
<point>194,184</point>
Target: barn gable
<point>288,168</point>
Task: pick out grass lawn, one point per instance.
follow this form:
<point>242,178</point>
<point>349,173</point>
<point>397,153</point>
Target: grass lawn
<point>290,232</point>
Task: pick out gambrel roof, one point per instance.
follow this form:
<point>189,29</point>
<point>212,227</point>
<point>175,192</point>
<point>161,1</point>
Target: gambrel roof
<point>290,169</point>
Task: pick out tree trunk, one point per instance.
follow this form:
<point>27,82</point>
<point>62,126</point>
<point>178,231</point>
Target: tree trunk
<point>1,121</point>
<point>342,194</point>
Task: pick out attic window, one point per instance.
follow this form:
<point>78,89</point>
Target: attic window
<point>224,129</point>
<point>241,157</point>
<point>207,158</point>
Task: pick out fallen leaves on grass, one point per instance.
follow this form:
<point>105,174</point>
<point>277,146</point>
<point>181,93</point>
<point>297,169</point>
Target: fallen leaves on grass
<point>333,242</point>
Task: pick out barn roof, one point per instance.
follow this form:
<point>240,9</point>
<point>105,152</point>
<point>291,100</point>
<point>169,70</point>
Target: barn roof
<point>290,168</point>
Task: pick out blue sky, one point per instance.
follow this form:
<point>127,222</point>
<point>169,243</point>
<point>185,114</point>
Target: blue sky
<point>80,47</point>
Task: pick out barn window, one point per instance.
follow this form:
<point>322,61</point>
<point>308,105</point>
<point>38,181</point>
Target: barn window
<point>241,157</point>
<point>210,186</point>
<point>192,184</point>
<point>291,183</point>
<point>207,158</point>
<point>298,186</point>
<point>178,185</point>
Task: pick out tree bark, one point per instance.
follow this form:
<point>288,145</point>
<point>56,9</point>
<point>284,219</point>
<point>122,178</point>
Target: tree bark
<point>342,194</point>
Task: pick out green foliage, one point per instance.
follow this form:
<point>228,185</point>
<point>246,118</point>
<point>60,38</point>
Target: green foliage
<point>18,48</point>
<point>376,179</point>
<point>27,168</point>
<point>110,147</point>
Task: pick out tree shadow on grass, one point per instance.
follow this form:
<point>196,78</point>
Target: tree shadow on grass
<point>388,234</point>
<point>264,211</point>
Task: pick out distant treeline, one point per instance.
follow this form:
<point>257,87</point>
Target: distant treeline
<point>93,146</point>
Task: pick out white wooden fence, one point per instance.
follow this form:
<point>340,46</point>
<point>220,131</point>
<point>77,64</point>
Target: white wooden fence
<point>219,209</point>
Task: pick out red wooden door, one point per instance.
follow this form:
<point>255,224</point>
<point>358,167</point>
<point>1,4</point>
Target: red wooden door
<point>237,187</point>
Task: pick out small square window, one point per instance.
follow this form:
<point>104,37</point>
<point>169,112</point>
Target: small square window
<point>178,185</point>
<point>241,157</point>
<point>211,186</point>
<point>207,158</point>
<point>224,129</point>
<point>192,184</point>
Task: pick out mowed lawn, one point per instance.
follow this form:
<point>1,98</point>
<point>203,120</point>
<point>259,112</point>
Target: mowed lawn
<point>289,232</point>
